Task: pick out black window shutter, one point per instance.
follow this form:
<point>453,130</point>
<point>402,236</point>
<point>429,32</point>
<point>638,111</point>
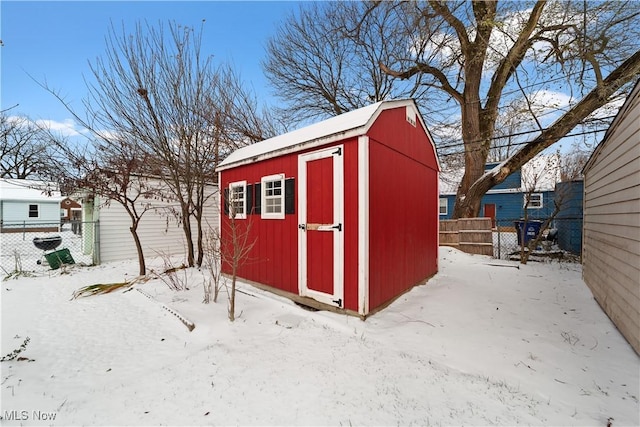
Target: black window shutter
<point>257,202</point>
<point>225,202</point>
<point>249,199</point>
<point>290,196</point>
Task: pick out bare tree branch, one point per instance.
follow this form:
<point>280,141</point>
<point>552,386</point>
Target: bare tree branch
<point>599,96</point>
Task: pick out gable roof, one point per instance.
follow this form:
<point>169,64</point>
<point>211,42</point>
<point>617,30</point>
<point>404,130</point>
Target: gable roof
<point>26,190</point>
<point>346,125</point>
<point>622,112</point>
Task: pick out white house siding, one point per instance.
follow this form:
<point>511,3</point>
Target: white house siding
<point>17,212</point>
<point>17,194</point>
<point>611,248</point>
<point>159,231</point>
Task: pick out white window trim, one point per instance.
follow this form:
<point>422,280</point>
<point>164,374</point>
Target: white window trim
<point>446,206</point>
<point>29,210</point>
<point>530,197</point>
<point>233,185</point>
<point>263,197</point>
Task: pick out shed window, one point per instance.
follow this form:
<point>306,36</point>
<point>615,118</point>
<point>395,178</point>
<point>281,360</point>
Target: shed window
<point>238,199</point>
<point>535,201</point>
<point>272,197</point>
<point>33,211</point>
<point>444,206</point>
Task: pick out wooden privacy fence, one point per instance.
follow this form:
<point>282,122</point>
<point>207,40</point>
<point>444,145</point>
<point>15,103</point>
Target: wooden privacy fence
<point>470,235</point>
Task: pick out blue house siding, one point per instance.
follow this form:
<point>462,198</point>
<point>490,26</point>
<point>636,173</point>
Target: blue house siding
<point>451,199</point>
<point>569,219</point>
<point>509,206</point>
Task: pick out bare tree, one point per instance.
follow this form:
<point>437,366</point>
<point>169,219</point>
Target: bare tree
<point>572,163</point>
<point>152,85</point>
<point>156,87</point>
<point>213,258</point>
<point>113,168</point>
<point>238,120</point>
<point>508,136</point>
<point>540,174</point>
<point>324,60</point>
<point>236,245</point>
<point>24,148</point>
<point>575,40</point>
<point>471,59</point>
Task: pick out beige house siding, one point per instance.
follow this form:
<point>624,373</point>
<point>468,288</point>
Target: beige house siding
<point>159,231</point>
<point>611,246</point>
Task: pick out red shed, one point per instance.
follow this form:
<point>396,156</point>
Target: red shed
<point>343,213</point>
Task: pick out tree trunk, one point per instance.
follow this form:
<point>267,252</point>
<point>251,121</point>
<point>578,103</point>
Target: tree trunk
<point>141,262</point>
<point>199,214</point>
<point>200,241</point>
<point>234,269</point>
<point>476,135</point>
<point>186,226</point>
<point>232,297</point>
<point>469,199</point>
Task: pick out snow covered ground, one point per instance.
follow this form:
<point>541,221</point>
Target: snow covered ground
<point>482,343</point>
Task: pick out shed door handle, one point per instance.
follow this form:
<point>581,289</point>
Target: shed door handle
<point>320,227</point>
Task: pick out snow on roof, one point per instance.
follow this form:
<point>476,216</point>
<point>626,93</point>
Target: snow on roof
<point>29,190</point>
<point>541,173</point>
<point>352,123</point>
<point>449,180</point>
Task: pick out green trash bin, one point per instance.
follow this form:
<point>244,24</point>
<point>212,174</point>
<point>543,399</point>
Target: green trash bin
<point>59,257</point>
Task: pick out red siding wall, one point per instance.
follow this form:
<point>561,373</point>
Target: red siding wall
<point>403,207</point>
<point>274,258</point>
<point>392,129</point>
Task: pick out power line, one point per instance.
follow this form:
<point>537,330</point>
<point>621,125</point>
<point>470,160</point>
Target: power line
<point>507,93</point>
<point>527,132</point>
<point>523,143</point>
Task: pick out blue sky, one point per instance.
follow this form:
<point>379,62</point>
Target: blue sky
<point>54,41</point>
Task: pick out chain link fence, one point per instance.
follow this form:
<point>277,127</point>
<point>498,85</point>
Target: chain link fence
<point>18,252</point>
<point>562,239</point>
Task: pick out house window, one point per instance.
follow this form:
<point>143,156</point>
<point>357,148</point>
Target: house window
<point>238,199</point>
<point>33,211</point>
<point>272,197</point>
<point>535,200</point>
<point>444,206</point>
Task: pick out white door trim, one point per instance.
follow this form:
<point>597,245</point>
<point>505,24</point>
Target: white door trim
<point>337,298</point>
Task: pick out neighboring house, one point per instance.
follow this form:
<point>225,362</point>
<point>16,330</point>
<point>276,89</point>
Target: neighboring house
<point>160,231</point>
<point>505,202</point>
<point>27,204</point>
<point>344,213</point>
<point>611,245</point>
<point>70,210</point>
<point>568,222</point>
